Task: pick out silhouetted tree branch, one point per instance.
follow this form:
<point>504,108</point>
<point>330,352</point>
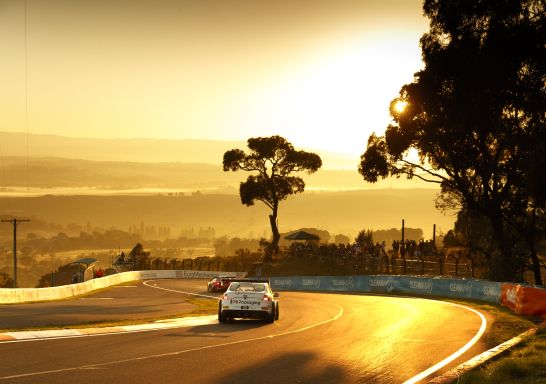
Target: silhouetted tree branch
<point>475,116</point>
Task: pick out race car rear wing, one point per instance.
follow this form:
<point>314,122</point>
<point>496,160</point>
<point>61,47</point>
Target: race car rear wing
<point>244,280</point>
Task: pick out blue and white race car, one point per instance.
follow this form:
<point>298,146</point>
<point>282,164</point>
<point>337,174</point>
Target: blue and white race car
<point>249,299</point>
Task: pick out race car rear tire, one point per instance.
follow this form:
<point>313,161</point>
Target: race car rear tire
<point>222,318</point>
<point>271,318</point>
<point>277,312</point>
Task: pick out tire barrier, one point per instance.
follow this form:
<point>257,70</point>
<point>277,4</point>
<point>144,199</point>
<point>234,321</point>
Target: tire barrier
<point>524,300</point>
<point>23,295</point>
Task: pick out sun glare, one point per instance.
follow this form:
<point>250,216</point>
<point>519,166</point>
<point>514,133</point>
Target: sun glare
<point>334,101</point>
<point>400,106</point>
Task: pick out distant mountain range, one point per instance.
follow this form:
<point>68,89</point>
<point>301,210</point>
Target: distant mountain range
<point>51,174</point>
<point>122,164</point>
<point>138,150</point>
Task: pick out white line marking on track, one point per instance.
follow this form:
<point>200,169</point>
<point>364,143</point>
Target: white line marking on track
<point>176,353</point>
<point>455,355</point>
<point>174,290</point>
<point>48,334</point>
<point>96,298</point>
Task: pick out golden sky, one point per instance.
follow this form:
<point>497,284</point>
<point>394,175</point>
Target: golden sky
<point>319,72</point>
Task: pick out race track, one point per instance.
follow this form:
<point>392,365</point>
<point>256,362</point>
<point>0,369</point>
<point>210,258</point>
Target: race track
<point>320,338</point>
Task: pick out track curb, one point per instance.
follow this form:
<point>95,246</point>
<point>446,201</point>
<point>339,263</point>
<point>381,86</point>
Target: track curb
<point>453,375</point>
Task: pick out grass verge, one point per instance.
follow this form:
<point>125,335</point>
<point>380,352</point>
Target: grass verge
<point>523,364</point>
<point>204,307</point>
<point>506,324</point>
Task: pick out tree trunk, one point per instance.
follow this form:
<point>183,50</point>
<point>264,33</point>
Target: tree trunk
<point>503,268</point>
<point>536,267</point>
<point>534,257</point>
<point>273,247</point>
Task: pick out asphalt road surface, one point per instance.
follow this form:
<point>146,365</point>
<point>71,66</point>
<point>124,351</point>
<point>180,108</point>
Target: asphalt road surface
<point>320,338</point>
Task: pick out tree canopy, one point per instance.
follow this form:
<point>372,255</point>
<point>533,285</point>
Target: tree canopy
<point>274,160</point>
<point>475,116</point>
<point>364,238</point>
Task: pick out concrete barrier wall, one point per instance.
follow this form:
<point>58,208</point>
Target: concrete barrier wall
<point>455,288</point>
<point>21,295</point>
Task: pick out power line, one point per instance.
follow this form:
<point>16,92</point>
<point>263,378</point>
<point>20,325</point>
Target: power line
<point>27,86</point>
<point>15,222</point>
<point>3,183</point>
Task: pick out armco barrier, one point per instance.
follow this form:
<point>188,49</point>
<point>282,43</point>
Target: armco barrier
<point>456,288</point>
<point>21,295</point>
<point>524,300</point>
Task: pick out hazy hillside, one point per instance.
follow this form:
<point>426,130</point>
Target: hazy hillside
<point>137,150</point>
<point>74,173</point>
<point>341,212</point>
<point>112,175</point>
<point>120,170</point>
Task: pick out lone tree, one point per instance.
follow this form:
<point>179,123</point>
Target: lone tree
<point>138,256</point>
<point>274,160</point>
<point>475,116</point>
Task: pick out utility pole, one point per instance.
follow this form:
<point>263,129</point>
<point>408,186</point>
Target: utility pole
<point>403,245</point>
<point>434,239</point>
<point>14,222</point>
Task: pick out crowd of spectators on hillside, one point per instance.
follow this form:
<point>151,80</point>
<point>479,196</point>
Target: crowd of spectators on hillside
<point>409,249</point>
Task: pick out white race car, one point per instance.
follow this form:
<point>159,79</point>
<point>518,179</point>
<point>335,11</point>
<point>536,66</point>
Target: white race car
<point>250,299</point>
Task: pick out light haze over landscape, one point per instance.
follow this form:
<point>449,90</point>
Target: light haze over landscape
<point>319,73</point>
<point>273,191</point>
<point>139,98</point>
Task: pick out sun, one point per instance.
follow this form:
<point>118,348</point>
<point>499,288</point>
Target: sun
<point>400,106</point>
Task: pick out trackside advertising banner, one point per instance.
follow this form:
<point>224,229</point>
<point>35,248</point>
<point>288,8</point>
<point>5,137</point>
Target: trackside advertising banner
<point>456,288</point>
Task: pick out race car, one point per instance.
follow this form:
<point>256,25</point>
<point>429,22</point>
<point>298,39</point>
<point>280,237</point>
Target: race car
<point>219,284</point>
<point>249,299</point>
